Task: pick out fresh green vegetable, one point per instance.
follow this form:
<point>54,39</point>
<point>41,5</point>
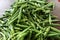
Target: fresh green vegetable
<point>29,20</point>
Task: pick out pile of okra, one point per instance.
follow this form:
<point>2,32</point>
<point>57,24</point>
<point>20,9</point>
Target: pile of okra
<point>29,20</point>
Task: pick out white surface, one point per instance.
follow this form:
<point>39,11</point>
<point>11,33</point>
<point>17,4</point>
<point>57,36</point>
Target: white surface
<point>4,4</point>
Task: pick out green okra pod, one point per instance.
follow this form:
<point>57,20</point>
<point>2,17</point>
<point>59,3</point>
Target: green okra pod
<point>24,26</point>
<point>55,29</point>
<point>54,34</point>
<point>38,34</point>
<point>46,32</point>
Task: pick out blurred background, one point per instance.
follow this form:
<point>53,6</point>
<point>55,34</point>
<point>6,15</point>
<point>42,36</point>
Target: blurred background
<point>57,8</point>
<point>5,4</point>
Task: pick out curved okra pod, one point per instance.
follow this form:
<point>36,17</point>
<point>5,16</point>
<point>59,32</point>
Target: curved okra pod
<point>3,36</point>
